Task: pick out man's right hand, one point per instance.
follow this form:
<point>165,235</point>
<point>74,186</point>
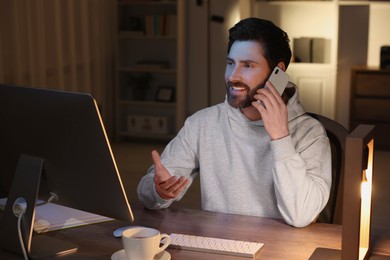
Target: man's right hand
<point>167,186</point>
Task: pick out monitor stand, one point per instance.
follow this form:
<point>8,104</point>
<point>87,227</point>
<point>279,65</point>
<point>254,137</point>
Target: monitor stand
<point>24,189</point>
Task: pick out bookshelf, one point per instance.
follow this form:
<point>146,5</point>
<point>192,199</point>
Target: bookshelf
<point>150,98</point>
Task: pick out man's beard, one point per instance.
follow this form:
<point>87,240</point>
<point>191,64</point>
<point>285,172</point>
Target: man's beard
<point>237,101</point>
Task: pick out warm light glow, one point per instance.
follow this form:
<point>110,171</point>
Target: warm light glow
<point>365,213</point>
<point>366,191</point>
<point>232,18</point>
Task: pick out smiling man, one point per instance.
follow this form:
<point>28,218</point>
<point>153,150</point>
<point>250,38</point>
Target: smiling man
<point>258,153</point>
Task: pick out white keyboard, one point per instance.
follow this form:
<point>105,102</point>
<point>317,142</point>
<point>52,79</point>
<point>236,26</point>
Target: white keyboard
<point>215,245</point>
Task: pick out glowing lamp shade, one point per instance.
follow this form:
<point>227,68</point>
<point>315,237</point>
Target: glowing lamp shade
<point>359,161</point>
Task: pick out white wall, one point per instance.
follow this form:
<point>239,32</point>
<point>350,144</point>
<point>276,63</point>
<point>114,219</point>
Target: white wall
<point>379,34</point>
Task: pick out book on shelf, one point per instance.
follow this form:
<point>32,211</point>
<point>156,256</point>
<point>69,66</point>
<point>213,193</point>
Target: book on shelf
<point>161,25</point>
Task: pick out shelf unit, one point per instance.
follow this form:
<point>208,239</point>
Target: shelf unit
<point>150,94</point>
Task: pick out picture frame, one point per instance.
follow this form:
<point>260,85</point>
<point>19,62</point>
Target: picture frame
<point>165,94</point>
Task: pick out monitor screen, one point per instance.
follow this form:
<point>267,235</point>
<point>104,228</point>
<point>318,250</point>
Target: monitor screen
<point>66,131</point>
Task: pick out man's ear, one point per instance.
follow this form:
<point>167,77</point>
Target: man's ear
<point>281,65</point>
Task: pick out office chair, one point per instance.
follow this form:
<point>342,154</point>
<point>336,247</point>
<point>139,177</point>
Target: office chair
<point>332,213</point>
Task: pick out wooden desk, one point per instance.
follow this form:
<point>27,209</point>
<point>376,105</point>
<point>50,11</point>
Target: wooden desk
<point>281,241</point>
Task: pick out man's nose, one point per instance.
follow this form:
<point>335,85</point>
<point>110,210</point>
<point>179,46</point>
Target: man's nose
<point>235,75</point>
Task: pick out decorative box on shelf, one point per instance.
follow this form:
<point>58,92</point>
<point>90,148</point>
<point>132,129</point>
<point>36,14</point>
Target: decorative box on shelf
<point>147,124</point>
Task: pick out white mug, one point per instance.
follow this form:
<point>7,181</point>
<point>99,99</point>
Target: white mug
<point>143,243</point>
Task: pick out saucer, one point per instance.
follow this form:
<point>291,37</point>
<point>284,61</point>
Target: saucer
<point>121,255</point>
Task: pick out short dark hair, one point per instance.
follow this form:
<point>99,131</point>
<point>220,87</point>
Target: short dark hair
<point>274,40</point>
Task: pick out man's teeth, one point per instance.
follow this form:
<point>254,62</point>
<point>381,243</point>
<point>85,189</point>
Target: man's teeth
<point>238,88</point>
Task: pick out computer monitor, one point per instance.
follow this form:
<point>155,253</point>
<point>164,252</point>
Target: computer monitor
<point>54,141</point>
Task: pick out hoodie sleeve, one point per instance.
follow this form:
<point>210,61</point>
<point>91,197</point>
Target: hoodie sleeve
<point>180,160</point>
<point>302,176</point>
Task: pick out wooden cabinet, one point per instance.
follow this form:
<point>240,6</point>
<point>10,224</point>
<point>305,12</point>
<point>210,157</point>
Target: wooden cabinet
<point>149,68</point>
<point>370,102</point>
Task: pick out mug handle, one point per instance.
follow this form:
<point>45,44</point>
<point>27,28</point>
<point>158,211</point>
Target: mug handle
<point>166,242</point>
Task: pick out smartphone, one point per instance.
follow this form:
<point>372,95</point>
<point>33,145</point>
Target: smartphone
<point>279,79</point>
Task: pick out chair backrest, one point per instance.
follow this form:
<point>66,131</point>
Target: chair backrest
<point>332,213</point>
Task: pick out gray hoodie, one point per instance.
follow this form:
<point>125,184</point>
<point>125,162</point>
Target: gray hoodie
<point>243,172</point>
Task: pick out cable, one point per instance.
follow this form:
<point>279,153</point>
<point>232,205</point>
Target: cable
<point>20,215</point>
<point>52,197</point>
<point>19,209</point>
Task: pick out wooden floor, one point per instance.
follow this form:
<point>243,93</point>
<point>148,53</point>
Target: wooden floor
<point>133,160</point>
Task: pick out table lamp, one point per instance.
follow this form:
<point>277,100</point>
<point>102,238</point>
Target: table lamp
<point>356,217</point>
<point>359,161</point>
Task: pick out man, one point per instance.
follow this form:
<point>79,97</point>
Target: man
<point>258,153</point>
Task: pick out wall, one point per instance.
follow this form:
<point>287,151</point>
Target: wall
<point>206,49</point>
<point>353,45</point>
<point>196,57</point>
<point>379,30</point>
